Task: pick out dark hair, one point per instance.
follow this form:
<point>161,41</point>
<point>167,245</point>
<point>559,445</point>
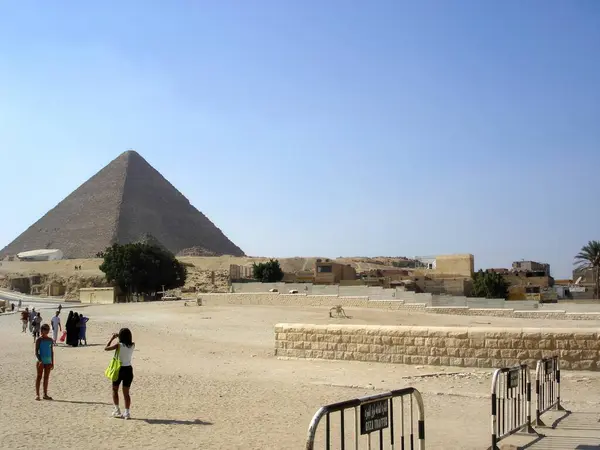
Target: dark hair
<point>125,337</point>
<point>45,327</point>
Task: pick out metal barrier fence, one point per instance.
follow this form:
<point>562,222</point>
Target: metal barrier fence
<point>511,402</point>
<point>547,387</point>
<point>372,415</point>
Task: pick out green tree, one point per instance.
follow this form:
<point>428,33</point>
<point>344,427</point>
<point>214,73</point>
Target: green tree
<point>267,272</point>
<point>139,268</point>
<point>489,284</point>
<point>589,258</point>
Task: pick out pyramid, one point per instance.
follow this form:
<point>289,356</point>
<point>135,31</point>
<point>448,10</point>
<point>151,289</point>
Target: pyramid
<point>124,202</point>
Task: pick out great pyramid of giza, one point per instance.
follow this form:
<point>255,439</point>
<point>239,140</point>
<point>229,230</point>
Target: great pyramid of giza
<point>126,200</point>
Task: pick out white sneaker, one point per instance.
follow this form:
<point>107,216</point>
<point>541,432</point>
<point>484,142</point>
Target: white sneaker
<point>126,415</point>
<point>116,413</point>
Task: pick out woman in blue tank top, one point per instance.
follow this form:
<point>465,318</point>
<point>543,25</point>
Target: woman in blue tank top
<point>44,353</point>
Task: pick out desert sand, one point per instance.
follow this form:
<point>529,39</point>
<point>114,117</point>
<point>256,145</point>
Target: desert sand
<point>206,377</point>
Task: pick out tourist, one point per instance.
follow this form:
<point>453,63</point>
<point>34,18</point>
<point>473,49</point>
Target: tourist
<point>32,315</point>
<point>36,326</point>
<point>125,348</point>
<point>56,326</point>
<point>82,329</point>
<point>44,353</point>
<point>76,329</point>
<point>20,303</point>
<point>59,308</point>
<point>25,319</point>
<point>71,327</point>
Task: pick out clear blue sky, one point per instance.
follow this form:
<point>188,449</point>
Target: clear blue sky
<point>319,127</point>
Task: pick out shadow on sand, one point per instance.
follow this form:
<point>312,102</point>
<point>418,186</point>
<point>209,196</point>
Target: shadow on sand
<point>77,402</point>
<point>174,422</point>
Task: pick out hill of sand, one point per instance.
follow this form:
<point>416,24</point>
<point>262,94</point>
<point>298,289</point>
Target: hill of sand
<point>200,270</point>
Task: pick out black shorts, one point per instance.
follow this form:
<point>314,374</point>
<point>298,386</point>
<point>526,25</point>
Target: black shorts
<point>125,375</point>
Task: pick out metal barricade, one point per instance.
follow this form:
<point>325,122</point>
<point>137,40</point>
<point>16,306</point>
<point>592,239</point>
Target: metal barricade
<point>547,387</point>
<point>379,421</point>
<point>511,402</point>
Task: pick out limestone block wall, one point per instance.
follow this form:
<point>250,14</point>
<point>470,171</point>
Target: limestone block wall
<point>278,299</point>
<point>447,346</point>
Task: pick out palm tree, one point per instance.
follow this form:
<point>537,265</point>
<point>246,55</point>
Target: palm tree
<point>589,258</point>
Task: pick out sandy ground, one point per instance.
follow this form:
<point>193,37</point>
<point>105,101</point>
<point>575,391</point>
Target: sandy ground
<point>205,377</point>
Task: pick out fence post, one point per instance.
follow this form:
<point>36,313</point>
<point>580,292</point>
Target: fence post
<point>494,409</point>
<point>529,427</point>
<point>558,405</point>
<point>511,402</point>
<point>547,388</point>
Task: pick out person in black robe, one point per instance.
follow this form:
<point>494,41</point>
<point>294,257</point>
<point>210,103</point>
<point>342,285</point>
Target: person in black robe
<point>70,326</point>
<point>75,330</point>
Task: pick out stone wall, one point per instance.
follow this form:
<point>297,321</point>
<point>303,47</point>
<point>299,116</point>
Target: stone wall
<point>278,299</point>
<point>446,346</point>
<point>275,299</point>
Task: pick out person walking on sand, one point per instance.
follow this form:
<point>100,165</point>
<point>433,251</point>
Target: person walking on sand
<point>25,319</point>
<point>44,353</point>
<point>71,327</point>
<point>56,326</point>
<point>82,329</point>
<point>36,326</point>
<point>32,315</point>
<point>75,329</point>
<point>125,348</point>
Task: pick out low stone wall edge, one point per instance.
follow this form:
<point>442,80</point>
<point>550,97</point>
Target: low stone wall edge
<point>484,347</point>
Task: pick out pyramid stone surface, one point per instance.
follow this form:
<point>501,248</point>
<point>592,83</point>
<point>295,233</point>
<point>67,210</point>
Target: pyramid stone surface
<point>126,200</point>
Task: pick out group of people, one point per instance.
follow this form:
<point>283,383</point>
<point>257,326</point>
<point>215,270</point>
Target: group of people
<point>44,353</point>
<point>76,328</point>
<point>32,321</point>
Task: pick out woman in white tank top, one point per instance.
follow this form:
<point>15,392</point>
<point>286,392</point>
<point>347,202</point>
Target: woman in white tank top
<point>125,347</point>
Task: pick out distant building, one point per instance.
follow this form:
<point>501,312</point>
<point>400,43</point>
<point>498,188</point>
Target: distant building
<point>329,272</point>
<point>41,255</point>
<point>239,273</point>
<point>444,286</point>
<point>530,280</point>
<point>446,266</point>
<point>532,266</point>
<point>584,284</point>
<point>97,295</point>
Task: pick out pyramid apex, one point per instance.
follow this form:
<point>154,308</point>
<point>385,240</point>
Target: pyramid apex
<point>130,152</point>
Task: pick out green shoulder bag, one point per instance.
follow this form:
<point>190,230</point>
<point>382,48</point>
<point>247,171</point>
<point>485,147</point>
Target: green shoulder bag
<point>112,371</point>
